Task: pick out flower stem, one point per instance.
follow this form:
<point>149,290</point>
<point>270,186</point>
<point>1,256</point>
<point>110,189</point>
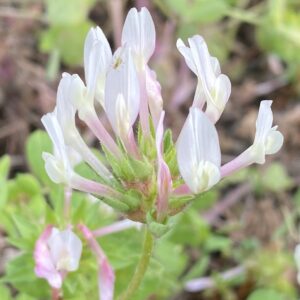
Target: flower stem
<point>55,294</point>
<point>141,267</point>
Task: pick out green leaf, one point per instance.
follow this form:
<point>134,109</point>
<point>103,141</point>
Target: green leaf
<point>218,243</point>
<point>276,179</point>
<point>265,294</point>
<point>68,40</point>
<point>61,12</point>
<point>37,143</point>
<point>198,269</point>
<point>281,27</point>
<point>5,293</point>
<point>4,166</point>
<point>200,11</point>
<point>4,170</point>
<point>24,185</point>
<point>20,273</point>
<point>190,229</point>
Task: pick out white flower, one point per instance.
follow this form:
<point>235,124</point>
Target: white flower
<point>122,93</point>
<point>58,166</point>
<point>213,87</point>
<point>97,60</point>
<point>68,92</point>
<point>56,252</point>
<point>268,140</point>
<point>198,152</point>
<point>65,249</point>
<point>139,34</point>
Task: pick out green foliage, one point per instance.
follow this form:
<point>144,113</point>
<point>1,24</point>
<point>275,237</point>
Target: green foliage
<point>272,275</point>
<point>68,26</point>
<point>37,143</point>
<point>265,294</point>
<point>4,170</point>
<point>200,11</point>
<point>281,27</point>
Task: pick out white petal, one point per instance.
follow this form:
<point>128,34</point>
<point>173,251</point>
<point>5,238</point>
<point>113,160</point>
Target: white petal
<point>274,142</point>
<point>154,95</point>
<point>65,248</point>
<point>215,65</point>
<point>95,35</point>
<point>65,110</point>
<point>297,256</point>
<point>53,128</point>
<point>202,59</point>
<point>77,96</point>
<point>122,80</point>
<point>264,122</point>
<point>267,139</point>
<point>55,169</point>
<point>218,98</point>
<point>139,33</point>
<point>187,54</point>
<point>198,152</point>
<point>58,166</point>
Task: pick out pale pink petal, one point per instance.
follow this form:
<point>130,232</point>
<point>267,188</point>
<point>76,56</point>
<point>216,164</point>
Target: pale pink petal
<point>154,96</point>
<point>164,179</point>
<point>106,279</point>
<point>44,264</point>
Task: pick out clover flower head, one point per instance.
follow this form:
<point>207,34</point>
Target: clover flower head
<point>144,174</point>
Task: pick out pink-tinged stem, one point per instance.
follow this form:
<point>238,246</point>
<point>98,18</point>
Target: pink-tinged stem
<point>68,199</point>
<point>164,179</point>
<point>130,144</point>
<point>55,294</point>
<point>106,277</point>
<point>238,163</point>
<point>144,111</point>
<point>116,227</point>
<point>182,190</point>
<point>102,134</point>
<point>203,283</point>
<point>89,186</point>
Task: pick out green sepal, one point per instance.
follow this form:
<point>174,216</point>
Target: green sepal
<point>181,201</point>
<point>142,169</point>
<point>157,229</point>
<point>133,199</point>
<point>170,153</point>
<point>147,144</point>
<point>115,204</point>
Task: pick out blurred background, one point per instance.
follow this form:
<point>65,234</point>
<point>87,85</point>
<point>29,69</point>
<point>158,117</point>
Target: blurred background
<point>253,218</point>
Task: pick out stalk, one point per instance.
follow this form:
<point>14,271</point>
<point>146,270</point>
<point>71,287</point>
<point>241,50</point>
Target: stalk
<point>141,268</point>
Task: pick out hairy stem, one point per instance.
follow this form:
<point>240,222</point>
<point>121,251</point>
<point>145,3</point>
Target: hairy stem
<point>141,267</point>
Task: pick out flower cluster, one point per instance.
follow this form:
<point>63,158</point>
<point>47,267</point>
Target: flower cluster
<point>141,172</point>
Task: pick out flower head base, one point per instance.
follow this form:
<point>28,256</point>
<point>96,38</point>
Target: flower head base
<point>145,175</point>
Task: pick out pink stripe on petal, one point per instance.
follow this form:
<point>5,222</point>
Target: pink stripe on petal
<point>182,190</point>
<point>44,265</point>
<point>164,179</point>
<point>106,280</point>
